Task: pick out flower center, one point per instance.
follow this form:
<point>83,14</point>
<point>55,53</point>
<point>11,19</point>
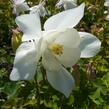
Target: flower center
<point>56,48</point>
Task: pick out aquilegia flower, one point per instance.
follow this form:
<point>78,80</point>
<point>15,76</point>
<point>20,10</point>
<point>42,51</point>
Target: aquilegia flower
<point>19,6</point>
<point>40,9</point>
<point>59,45</point>
<point>67,4</point>
<point>106,3</point>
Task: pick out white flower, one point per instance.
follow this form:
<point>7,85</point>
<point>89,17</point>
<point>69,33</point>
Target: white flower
<point>40,9</point>
<point>106,4</point>
<point>19,6</point>
<point>67,4</point>
<point>59,45</point>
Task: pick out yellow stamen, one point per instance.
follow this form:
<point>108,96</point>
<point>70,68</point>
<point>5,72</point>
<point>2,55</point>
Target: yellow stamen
<point>56,48</point>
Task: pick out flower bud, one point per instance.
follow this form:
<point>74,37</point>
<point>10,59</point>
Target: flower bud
<point>91,72</point>
<point>16,39</point>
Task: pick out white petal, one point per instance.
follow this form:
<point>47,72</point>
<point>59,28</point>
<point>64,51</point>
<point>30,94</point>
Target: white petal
<point>34,9</point>
<point>67,4</point>
<point>58,76</point>
<point>39,9</point>
<point>30,25</point>
<point>106,3</point>
<point>69,57</point>
<point>20,8</point>
<point>59,4</point>
<point>18,1</point>
<point>90,45</point>
<point>65,19</point>
<point>15,11</point>
<point>68,37</point>
<point>70,40</point>
<point>50,36</point>
<point>106,12</point>
<point>23,6</point>
<point>25,62</point>
<point>70,4</point>
<point>107,17</point>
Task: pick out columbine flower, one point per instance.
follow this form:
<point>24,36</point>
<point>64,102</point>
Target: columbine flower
<point>59,45</point>
<point>40,9</point>
<point>106,3</point>
<point>19,6</point>
<point>67,4</point>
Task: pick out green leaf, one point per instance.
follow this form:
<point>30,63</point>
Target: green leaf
<point>71,100</point>
<point>96,97</point>
<point>11,89</point>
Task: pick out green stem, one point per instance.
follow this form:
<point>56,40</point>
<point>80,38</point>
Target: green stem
<point>37,91</point>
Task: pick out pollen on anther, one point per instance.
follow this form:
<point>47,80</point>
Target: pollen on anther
<point>56,48</point>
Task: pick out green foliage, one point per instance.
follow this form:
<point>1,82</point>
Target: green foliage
<point>92,91</point>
